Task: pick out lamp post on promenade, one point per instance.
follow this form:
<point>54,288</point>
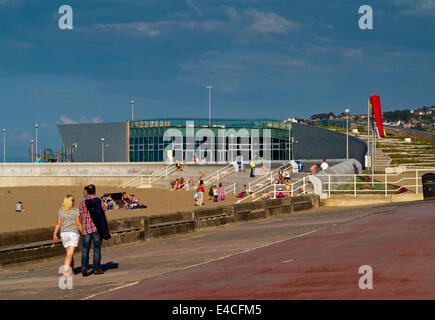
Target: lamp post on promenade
<point>347,112</point>
<point>36,145</point>
<point>290,139</point>
<point>102,149</point>
<point>209,104</point>
<point>4,145</point>
<point>32,142</point>
<point>132,109</point>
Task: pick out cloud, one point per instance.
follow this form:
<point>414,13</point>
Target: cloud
<point>191,4</point>
<point>4,3</point>
<point>232,13</point>
<point>269,22</point>
<point>417,7</point>
<point>65,120</point>
<point>151,29</point>
<point>351,53</point>
<point>96,120</point>
<point>23,137</point>
<point>154,29</point>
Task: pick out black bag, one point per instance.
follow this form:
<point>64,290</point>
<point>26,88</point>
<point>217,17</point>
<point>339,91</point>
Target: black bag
<point>98,217</point>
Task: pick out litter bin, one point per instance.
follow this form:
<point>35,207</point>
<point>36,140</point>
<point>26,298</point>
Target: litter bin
<point>239,164</point>
<point>428,182</point>
<point>300,166</point>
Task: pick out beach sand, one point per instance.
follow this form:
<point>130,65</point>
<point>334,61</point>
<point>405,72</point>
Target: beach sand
<point>41,204</point>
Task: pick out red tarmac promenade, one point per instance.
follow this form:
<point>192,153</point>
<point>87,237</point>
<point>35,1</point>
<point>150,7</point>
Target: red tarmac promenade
<point>398,243</point>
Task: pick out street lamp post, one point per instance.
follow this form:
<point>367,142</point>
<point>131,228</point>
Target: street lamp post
<point>347,112</point>
<point>209,105</point>
<point>4,145</point>
<point>290,142</point>
<point>36,146</point>
<point>132,109</point>
<point>32,142</point>
<point>102,149</point>
<point>74,146</point>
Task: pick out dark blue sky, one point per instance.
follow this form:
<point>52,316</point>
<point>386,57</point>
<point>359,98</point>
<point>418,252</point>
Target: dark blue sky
<point>272,59</point>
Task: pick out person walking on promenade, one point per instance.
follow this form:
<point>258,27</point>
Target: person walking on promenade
<point>95,229</point>
<point>68,221</point>
<point>200,190</point>
<point>252,168</point>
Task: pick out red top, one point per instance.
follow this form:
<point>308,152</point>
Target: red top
<point>200,188</point>
<point>87,223</point>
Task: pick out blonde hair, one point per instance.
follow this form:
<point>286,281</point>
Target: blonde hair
<point>67,203</point>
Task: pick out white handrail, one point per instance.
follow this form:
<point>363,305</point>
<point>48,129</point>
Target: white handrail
<point>139,180</point>
<point>219,174</point>
<point>266,179</point>
<point>385,184</point>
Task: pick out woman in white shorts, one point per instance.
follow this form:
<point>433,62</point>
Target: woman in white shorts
<point>68,221</point>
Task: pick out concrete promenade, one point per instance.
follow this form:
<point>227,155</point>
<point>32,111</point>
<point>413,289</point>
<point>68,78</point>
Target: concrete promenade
<point>311,254</point>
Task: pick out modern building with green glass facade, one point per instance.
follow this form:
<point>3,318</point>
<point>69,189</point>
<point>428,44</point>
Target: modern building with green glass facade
<point>215,141</point>
<point>218,140</point>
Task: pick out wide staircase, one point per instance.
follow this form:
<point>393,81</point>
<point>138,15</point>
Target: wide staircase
<point>153,180</point>
<point>398,151</point>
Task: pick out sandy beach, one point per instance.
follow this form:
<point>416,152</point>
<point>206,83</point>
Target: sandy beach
<point>41,204</point>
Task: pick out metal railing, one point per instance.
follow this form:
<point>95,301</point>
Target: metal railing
<point>149,179</point>
<point>273,191</point>
<point>267,180</point>
<point>385,184</point>
<point>219,174</point>
<point>230,188</point>
<point>295,189</point>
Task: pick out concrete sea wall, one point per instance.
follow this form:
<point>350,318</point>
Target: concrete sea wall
<point>37,244</point>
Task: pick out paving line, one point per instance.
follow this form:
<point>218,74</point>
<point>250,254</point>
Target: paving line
<point>208,261</point>
<point>110,290</point>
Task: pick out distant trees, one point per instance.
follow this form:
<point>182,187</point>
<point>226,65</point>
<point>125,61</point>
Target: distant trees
<point>322,116</point>
<point>392,116</point>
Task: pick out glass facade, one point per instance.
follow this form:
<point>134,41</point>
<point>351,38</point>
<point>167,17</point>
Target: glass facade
<point>221,140</point>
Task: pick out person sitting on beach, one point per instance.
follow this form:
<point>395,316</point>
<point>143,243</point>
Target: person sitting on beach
<point>265,195</point>
<point>178,166</point>
<point>19,207</point>
<point>109,202</point>
<point>68,221</point>
<point>133,202</point>
<point>314,168</point>
<point>280,194</point>
<point>182,183</point>
<point>172,184</point>
<point>125,200</point>
<point>177,184</point>
<point>243,194</point>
